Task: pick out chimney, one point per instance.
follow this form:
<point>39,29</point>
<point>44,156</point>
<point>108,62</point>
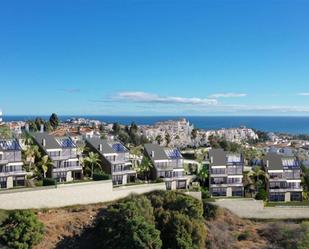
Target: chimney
<point>267,163</point>
<point>211,159</point>
<point>152,154</point>
<point>43,142</point>
<point>100,147</point>
<point>27,127</point>
<point>42,128</point>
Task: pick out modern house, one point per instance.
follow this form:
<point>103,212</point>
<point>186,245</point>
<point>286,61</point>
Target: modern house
<point>63,153</point>
<point>115,159</point>
<point>226,173</point>
<point>168,165</point>
<point>11,165</point>
<point>284,182</point>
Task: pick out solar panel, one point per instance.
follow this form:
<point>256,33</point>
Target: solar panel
<point>233,158</point>
<point>9,144</point>
<point>174,154</point>
<point>119,148</point>
<point>66,142</point>
<point>290,163</point>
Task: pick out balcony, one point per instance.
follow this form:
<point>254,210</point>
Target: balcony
<point>12,173</point>
<point>67,168</point>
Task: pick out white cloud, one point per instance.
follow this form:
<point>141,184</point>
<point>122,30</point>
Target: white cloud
<point>154,98</point>
<point>304,94</point>
<point>228,95</point>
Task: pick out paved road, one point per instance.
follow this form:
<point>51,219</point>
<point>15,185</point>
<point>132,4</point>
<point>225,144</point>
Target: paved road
<point>248,208</point>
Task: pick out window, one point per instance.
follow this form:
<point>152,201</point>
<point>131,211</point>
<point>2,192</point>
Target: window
<point>117,180</point>
<point>276,197</point>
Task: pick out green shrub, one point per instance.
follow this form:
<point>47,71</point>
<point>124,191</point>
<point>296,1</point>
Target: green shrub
<point>243,236</point>
<point>99,176</point>
<point>303,243</point>
<point>21,230</point>
<point>261,194</point>
<point>210,210</point>
<point>205,193</point>
<point>49,182</point>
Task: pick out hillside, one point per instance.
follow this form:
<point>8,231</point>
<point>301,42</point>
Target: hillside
<point>170,217</point>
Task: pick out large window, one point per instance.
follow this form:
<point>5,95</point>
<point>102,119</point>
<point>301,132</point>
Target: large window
<point>216,171</point>
<point>117,180</point>
<point>218,191</point>
<point>276,197</point>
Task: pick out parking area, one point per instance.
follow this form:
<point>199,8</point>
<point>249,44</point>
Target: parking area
<point>253,209</point>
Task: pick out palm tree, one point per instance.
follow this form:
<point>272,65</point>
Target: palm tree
<point>202,175</point>
<point>93,159</point>
<point>45,164</point>
<point>30,154</point>
<point>136,152</point>
<point>254,179</point>
<point>144,167</point>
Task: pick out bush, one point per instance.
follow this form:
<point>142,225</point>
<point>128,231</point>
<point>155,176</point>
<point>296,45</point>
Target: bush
<point>261,194</point>
<point>243,236</point>
<point>283,234</point>
<point>21,230</point>
<point>49,182</point>
<point>210,210</point>
<point>303,243</point>
<point>205,193</point>
<point>99,176</point>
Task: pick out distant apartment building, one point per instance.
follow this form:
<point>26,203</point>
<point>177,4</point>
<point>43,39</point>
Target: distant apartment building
<point>11,165</point>
<point>63,153</point>
<point>226,173</point>
<point>115,159</point>
<point>284,177</point>
<point>168,165</point>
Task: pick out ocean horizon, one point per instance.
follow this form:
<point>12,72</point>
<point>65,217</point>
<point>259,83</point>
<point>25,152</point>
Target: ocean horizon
<point>288,124</point>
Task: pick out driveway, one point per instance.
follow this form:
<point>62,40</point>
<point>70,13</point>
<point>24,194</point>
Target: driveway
<point>253,209</point>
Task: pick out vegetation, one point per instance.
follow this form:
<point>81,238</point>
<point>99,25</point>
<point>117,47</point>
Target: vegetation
<point>217,142</point>
<point>49,182</point>
<point>144,168</point>
<point>91,162</point>
<point>54,121</point>
<point>129,135</point>
<point>21,230</point>
<point>99,176</point>
<point>162,219</point>
<point>45,164</point>
<point>5,131</point>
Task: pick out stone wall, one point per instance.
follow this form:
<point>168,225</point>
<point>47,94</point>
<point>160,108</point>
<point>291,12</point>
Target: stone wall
<point>70,194</point>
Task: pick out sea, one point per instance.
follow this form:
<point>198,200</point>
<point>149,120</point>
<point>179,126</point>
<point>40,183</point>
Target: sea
<point>291,125</point>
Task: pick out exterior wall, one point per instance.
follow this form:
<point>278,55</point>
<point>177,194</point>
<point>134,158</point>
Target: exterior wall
<point>70,194</point>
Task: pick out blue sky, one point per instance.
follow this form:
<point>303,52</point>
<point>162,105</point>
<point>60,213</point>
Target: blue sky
<point>146,57</point>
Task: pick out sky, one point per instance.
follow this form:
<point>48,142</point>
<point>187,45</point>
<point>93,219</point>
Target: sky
<point>147,57</point>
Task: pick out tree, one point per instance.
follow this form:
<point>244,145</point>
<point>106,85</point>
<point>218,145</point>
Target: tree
<point>144,167</point>
<point>54,120</point>
<point>116,128</point>
<point>194,135</point>
<point>45,164</point>
<point>159,139</point>
<point>167,139</point>
<point>305,180</point>
<point>93,159</point>
<point>133,128</point>
<point>129,224</point>
<point>202,175</point>
<point>5,132</point>
<point>30,154</point>
<point>22,230</point>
